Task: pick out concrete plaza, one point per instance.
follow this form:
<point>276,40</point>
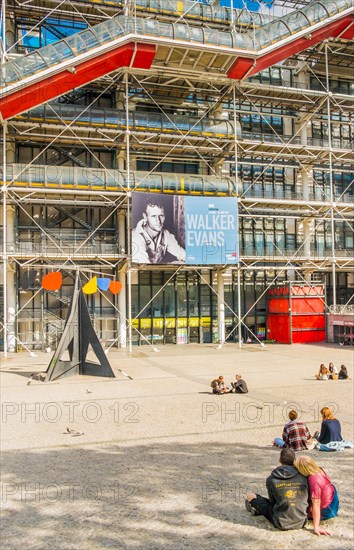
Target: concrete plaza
<point>161,462</point>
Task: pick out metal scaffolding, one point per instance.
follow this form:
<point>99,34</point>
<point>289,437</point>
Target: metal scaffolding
<point>92,147</point>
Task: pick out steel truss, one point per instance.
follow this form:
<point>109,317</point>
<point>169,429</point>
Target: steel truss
<point>207,95</point>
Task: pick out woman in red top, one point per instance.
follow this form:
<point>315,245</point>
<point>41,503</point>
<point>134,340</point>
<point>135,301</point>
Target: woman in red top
<point>324,497</point>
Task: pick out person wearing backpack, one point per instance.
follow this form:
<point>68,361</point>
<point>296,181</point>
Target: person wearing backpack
<point>218,386</point>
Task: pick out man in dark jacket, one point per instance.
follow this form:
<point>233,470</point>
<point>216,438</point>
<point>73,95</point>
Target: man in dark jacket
<point>240,385</point>
<point>288,496</point>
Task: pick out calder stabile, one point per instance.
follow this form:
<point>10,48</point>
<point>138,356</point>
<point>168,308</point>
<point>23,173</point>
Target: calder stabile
<point>77,337</point>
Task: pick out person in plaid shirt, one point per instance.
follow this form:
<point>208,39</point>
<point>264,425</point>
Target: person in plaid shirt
<point>295,433</point>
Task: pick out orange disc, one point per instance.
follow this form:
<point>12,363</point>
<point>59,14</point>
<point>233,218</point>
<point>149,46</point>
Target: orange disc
<point>115,287</point>
<point>52,281</point>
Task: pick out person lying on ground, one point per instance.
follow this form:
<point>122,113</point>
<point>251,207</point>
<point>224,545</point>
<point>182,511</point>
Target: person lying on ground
<point>286,507</point>
<point>295,434</point>
<point>240,385</point>
<point>323,373</point>
<point>218,386</point>
<point>324,502</point>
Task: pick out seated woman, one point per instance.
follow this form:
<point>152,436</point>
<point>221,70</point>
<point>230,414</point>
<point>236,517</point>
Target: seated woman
<point>323,373</point>
<point>330,427</point>
<point>218,386</point>
<point>343,373</point>
<point>324,502</point>
<point>333,372</point>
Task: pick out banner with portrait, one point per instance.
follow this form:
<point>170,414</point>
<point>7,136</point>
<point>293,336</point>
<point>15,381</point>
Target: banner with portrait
<point>184,229</point>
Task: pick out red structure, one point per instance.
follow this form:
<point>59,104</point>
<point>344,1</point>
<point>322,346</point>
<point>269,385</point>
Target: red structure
<point>130,55</point>
<point>246,66</point>
<point>296,314</point>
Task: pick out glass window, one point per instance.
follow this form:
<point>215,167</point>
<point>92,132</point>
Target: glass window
<point>169,299</point>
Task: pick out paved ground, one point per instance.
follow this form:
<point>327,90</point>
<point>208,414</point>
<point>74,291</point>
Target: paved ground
<point>162,463</point>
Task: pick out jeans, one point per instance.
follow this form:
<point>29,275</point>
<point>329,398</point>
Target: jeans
<point>332,509</point>
<point>264,507</point>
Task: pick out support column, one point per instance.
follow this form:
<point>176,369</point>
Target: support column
<point>288,126</point>
<point>128,201</point>
<point>303,78</point>
<point>120,155</point>
<point>122,296</point>
<point>10,284</point>
<point>239,307</point>
<point>10,32</point>
<point>218,168</point>
<point>307,237</point>
<point>221,306</point>
<point>301,129</point>
<point>10,153</point>
<point>120,159</point>
<point>331,182</point>
<point>305,184</point>
<point>303,133</point>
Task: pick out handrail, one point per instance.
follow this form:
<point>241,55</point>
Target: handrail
<point>342,309</point>
<point>250,43</point>
<point>266,250</point>
<point>159,122</point>
<point>115,118</point>
<point>193,10</point>
<point>99,179</point>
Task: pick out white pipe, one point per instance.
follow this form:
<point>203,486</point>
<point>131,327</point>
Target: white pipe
<point>221,306</point>
<point>129,273</point>
<point>122,296</point>
<point>239,307</point>
<point>4,234</point>
<point>331,183</point>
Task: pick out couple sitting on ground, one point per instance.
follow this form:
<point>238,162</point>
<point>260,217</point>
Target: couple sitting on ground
<point>219,387</point>
<point>297,437</point>
<point>298,490</point>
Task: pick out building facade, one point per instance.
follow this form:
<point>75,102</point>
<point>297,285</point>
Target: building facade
<point>178,97</point>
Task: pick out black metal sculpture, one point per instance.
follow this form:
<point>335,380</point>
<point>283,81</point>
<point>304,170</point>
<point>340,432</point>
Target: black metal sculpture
<point>77,336</point>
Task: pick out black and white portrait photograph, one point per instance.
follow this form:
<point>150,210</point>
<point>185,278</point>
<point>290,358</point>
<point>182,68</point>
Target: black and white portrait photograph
<point>158,235</point>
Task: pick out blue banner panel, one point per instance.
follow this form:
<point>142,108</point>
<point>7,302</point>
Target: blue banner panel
<point>211,226</point>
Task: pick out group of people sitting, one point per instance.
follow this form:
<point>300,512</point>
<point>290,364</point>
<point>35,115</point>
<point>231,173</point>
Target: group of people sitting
<point>298,490</point>
<point>219,388</point>
<point>296,435</point>
<point>331,373</point>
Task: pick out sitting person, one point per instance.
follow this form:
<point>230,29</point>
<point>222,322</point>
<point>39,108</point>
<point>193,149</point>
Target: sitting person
<point>295,434</point>
<point>323,495</point>
<point>330,428</point>
<point>288,496</point>
<point>323,373</point>
<point>240,385</point>
<point>333,372</point>
<point>343,373</point>
<point>218,386</point>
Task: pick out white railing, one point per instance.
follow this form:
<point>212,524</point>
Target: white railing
<point>342,309</point>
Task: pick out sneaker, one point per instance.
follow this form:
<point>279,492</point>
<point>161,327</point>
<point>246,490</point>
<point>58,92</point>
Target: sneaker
<point>250,508</point>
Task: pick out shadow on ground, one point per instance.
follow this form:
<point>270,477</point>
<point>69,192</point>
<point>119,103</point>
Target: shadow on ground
<point>167,495</point>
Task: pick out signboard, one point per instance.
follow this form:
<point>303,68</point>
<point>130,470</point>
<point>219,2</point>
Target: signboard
<point>184,230</point>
